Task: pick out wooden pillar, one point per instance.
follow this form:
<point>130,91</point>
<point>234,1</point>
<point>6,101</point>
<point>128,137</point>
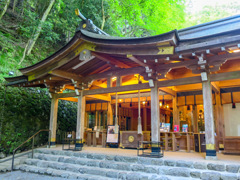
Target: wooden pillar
<point>96,118</point>
<point>145,118</point>
<point>175,111</point>
<point>209,118</point>
<point>195,118</point>
<point>109,82</point>
<point>109,114</point>
<point>89,138</point>
<point>166,141</point>
<point>53,120</point>
<point>155,129</point>
<point>119,81</point>
<point>94,139</point>
<point>219,121</point>
<point>188,143</point>
<point>174,143</point>
<point>80,119</point>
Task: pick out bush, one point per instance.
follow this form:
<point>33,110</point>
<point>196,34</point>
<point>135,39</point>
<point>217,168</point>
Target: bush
<point>24,111</point>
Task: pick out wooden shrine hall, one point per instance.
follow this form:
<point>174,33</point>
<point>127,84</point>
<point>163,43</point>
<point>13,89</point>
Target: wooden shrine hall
<point>188,77</point>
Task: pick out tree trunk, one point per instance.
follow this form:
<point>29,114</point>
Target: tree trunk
<point>32,41</point>
<point>103,17</point>
<point>14,5</point>
<point>5,9</point>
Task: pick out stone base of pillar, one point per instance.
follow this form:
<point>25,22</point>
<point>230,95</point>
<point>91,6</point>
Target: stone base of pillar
<point>156,149</point>
<point>52,144</point>
<point>211,155</point>
<point>78,145</point>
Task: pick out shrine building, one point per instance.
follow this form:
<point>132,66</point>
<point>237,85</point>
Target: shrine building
<point>181,87</point>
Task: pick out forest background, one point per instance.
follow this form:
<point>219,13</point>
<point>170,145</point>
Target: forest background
<point>31,30</point>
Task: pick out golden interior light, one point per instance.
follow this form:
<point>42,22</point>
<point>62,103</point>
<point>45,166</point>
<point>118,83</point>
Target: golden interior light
<point>144,102</point>
<point>160,104</point>
<point>234,49</point>
<point>114,78</point>
<point>167,106</point>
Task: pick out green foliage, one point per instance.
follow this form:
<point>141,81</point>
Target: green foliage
<point>24,111</point>
<point>145,17</point>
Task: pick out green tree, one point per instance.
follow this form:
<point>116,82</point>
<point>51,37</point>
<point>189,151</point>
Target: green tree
<point>5,8</point>
<point>145,17</point>
<point>31,42</point>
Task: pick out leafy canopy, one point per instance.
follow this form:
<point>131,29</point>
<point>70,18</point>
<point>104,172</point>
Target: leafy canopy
<point>146,17</point>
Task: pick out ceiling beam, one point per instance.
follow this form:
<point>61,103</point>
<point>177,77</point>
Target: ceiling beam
<point>100,97</point>
<point>168,91</point>
<point>65,74</point>
<point>215,87</point>
<point>166,83</point>
<point>65,95</point>
<point>70,99</point>
<point>110,59</point>
<point>112,73</point>
<point>135,95</point>
<point>134,59</point>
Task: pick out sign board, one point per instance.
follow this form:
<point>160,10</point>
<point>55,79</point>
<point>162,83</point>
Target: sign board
<point>112,137</point>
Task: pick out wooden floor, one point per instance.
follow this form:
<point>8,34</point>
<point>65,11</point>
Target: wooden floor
<point>179,155</point>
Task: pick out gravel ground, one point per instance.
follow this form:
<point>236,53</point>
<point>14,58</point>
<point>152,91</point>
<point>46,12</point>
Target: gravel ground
<point>18,175</point>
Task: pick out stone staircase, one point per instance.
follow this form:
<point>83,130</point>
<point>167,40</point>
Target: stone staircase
<point>89,166</point>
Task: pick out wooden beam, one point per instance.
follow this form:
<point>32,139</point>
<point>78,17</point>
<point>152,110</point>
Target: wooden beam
<point>215,87</point>
<point>65,74</point>
<point>83,62</point>
<point>225,76</point>
<point>69,87</point>
<point>134,59</point>
<point>65,95</point>
<point>168,91</point>
<point>116,89</point>
<point>112,73</point>
<point>110,59</point>
<point>160,84</point>
<point>100,97</point>
<point>135,95</point>
<point>70,99</point>
<point>227,56</point>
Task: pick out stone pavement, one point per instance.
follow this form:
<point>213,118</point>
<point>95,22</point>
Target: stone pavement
<point>19,175</point>
<point>6,163</point>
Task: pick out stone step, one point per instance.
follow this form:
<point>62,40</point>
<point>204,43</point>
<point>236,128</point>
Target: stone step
<point>59,173</point>
<point>144,170</point>
<point>68,173</point>
<point>143,165</point>
<point>219,167</point>
<point>54,160</point>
